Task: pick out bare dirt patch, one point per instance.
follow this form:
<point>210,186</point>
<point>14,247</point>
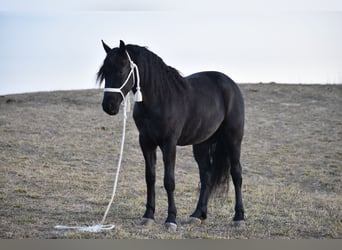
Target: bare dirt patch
<point>58,153</point>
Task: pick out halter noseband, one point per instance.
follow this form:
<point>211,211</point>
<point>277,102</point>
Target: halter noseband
<point>135,73</point>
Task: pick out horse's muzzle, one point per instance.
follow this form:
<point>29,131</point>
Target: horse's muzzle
<point>110,107</point>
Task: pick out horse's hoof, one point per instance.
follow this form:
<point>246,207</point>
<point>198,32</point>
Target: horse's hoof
<point>147,222</point>
<point>239,223</point>
<point>171,227</point>
<point>195,221</point>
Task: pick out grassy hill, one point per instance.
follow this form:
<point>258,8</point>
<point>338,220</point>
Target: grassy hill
<point>58,154</point>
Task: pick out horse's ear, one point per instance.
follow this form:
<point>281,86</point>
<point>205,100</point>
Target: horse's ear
<point>106,47</point>
<point>122,45</point>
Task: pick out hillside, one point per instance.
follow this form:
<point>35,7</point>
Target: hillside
<point>58,153</point>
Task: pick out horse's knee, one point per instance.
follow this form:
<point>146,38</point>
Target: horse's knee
<point>169,184</point>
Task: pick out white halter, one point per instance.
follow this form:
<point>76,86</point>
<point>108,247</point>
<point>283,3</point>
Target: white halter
<point>134,69</point>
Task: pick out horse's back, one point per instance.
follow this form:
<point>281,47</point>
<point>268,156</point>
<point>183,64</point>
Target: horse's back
<point>218,85</point>
<point>214,76</point>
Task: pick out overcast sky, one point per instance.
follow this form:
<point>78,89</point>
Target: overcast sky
<point>57,45</point>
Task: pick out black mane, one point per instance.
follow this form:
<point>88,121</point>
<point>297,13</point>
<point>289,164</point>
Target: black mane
<point>100,76</point>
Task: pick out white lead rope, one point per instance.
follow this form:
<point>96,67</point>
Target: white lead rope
<point>102,226</point>
<point>134,72</point>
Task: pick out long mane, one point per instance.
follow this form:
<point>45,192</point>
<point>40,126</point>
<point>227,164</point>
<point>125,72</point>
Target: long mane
<point>100,76</point>
<point>153,71</point>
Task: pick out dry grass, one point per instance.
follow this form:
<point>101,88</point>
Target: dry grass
<point>58,155</point>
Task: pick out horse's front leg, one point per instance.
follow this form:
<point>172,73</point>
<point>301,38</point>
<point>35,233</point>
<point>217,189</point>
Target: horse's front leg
<point>149,153</point>
<point>169,158</point>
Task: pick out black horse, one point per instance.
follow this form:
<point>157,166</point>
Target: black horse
<point>205,110</point>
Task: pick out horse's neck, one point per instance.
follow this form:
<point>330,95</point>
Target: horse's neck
<point>156,87</point>
<point>156,94</point>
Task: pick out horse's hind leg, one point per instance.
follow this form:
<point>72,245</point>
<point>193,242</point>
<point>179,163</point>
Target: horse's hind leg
<point>236,173</point>
<point>202,157</point>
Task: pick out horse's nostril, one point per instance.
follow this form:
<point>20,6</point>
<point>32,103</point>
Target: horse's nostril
<point>111,106</point>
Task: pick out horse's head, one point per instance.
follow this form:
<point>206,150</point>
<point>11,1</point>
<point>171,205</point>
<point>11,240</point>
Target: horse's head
<point>118,72</point>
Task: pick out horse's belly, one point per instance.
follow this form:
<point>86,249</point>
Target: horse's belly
<point>198,132</point>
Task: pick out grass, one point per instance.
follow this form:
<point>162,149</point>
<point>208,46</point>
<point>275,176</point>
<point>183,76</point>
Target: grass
<point>58,155</point>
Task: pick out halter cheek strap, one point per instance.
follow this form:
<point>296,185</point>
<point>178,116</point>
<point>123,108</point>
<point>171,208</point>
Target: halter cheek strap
<point>133,72</point>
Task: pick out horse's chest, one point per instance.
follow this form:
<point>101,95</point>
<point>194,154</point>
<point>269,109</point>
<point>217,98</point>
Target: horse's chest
<point>152,128</point>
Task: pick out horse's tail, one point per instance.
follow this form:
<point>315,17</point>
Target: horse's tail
<point>220,168</point>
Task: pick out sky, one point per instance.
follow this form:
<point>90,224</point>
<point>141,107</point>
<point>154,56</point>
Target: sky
<point>57,45</point>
